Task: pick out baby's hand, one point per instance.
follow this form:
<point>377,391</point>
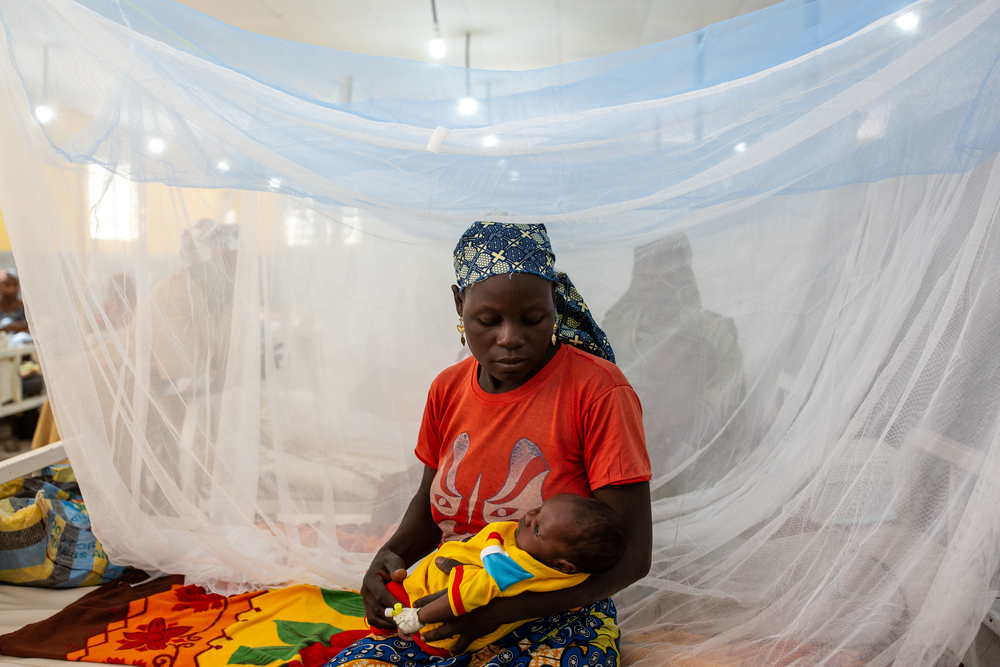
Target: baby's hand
<point>407,619</point>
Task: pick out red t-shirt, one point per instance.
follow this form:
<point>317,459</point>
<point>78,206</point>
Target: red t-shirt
<point>574,427</point>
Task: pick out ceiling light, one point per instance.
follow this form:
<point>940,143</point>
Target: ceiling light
<point>740,147</point>
<point>437,47</point>
<point>514,176</point>
<point>222,166</point>
<point>490,141</point>
<point>156,145</point>
<point>274,183</point>
<point>467,106</point>
<point>44,114</point>
<point>908,21</point>
<point>437,44</point>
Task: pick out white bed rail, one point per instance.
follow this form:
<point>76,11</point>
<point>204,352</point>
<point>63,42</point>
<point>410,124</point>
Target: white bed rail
<point>29,462</point>
<point>10,380</point>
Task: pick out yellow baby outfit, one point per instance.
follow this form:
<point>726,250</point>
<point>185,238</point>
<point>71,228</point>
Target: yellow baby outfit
<point>493,566</point>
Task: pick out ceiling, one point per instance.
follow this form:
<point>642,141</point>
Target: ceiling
<point>504,34</point>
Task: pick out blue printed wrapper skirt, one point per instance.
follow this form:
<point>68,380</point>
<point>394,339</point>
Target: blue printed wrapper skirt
<point>585,637</point>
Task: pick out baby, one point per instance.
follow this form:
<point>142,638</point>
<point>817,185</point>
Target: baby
<point>555,546</point>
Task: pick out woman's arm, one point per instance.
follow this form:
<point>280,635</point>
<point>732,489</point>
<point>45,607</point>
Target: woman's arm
<point>16,325</point>
<point>416,536</point>
<point>632,503</point>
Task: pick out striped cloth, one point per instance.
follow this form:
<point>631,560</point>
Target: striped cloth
<point>45,535</point>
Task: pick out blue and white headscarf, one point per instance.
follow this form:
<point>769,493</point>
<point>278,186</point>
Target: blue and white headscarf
<point>489,249</point>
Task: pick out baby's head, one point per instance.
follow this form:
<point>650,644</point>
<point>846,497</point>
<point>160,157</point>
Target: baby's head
<point>572,534</point>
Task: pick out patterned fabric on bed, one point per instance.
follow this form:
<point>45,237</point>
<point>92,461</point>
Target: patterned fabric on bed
<point>163,623</point>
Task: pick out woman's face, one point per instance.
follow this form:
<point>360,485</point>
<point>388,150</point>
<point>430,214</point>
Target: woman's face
<point>9,286</point>
<point>508,327</point>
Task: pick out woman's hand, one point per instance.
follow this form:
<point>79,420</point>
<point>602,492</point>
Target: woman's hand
<point>446,565</point>
<point>469,627</point>
<point>386,566</point>
<point>416,536</point>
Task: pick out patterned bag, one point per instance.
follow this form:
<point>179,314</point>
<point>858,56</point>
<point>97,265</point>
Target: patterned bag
<point>45,535</point>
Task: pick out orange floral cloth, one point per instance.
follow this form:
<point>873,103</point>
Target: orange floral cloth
<point>174,625</point>
<point>166,630</point>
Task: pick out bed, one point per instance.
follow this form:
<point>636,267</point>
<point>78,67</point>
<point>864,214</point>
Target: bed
<point>20,606</point>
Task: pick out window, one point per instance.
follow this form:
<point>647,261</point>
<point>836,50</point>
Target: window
<point>110,200</point>
<point>305,225</point>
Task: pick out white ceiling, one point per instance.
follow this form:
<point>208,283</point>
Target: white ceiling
<point>505,34</point>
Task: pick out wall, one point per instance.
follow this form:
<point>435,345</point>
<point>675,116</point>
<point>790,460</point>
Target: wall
<point>6,258</point>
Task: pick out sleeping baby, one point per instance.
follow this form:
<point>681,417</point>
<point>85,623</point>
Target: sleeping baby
<point>555,546</point>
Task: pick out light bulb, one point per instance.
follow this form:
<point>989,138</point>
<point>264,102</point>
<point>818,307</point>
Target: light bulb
<point>156,145</point>
<point>467,106</point>
<point>437,48</point>
<point>44,114</point>
<point>275,183</point>
<point>222,166</point>
<point>490,140</point>
<point>740,147</point>
<point>908,21</point>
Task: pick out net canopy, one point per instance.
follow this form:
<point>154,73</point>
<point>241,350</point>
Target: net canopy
<point>236,256</point>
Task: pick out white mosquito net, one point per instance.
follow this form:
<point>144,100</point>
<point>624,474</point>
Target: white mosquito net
<point>236,256</point>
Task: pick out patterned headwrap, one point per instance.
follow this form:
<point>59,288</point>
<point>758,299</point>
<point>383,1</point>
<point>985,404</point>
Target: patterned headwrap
<point>489,249</point>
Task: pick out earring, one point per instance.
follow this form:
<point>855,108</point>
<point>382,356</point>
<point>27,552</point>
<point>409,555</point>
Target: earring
<point>555,330</point>
<point>461,329</point>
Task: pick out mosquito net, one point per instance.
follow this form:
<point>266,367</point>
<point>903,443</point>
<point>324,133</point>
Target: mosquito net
<point>236,256</point>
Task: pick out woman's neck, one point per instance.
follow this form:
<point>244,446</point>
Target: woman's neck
<point>491,385</point>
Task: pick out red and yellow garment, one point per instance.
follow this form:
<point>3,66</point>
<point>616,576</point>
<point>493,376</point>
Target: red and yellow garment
<point>493,566</point>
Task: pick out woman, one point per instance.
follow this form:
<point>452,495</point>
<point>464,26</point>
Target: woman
<point>525,418</point>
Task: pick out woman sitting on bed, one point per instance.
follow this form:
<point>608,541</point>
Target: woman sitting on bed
<point>538,410</point>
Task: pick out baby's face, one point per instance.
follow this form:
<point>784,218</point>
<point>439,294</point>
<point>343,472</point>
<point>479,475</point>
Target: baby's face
<point>547,532</point>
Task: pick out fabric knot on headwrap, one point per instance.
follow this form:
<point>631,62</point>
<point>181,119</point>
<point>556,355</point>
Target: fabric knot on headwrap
<point>489,249</point>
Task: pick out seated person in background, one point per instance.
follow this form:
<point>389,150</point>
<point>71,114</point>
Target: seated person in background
<point>12,318</point>
<point>555,546</point>
<point>119,303</point>
<point>13,323</point>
